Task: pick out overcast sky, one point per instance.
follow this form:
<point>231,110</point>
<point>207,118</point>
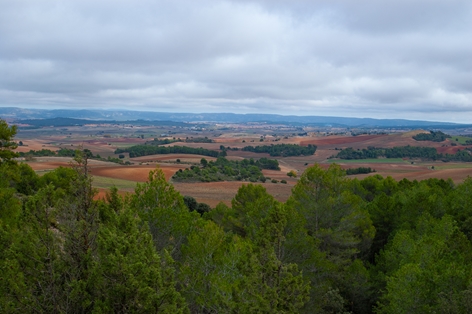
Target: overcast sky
<point>408,59</point>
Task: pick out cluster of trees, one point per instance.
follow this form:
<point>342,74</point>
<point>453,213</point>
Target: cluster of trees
<point>199,140</point>
<point>359,170</point>
<point>336,246</point>
<point>227,170</point>
<point>66,152</point>
<point>284,150</point>
<point>193,205</point>
<point>357,133</point>
<point>165,141</point>
<point>62,152</point>
<point>428,153</point>
<point>118,160</point>
<point>434,136</point>
<point>144,150</point>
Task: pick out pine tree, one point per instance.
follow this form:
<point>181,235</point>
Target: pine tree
<point>163,209</point>
<point>130,276</point>
<point>78,222</point>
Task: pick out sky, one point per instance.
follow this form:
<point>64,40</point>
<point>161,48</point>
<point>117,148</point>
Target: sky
<point>408,59</point>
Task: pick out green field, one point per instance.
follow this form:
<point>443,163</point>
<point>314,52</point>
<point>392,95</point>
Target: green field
<point>460,139</point>
<point>369,161</point>
<point>106,183</point>
<point>453,166</point>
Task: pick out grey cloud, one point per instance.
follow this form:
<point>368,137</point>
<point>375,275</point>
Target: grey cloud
<point>390,58</point>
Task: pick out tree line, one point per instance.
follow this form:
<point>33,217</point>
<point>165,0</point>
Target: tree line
<point>428,153</point>
<point>337,245</point>
<point>62,152</point>
<point>359,170</point>
<point>283,150</point>
<point>145,150</point>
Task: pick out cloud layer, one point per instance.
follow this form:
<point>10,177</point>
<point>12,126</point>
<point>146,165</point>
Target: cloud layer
<point>383,59</point>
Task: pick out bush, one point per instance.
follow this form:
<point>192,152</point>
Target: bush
<point>283,181</point>
<point>274,181</point>
<point>292,173</point>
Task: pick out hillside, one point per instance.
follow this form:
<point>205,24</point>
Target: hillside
<point>12,113</point>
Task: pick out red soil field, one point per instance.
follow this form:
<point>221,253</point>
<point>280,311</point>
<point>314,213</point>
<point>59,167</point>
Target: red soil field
<point>101,195</point>
<point>333,140</point>
<point>126,140</point>
<point>134,173</point>
<point>228,140</point>
<point>35,145</point>
<point>363,141</point>
<point>449,149</point>
<point>213,193</point>
<point>47,165</point>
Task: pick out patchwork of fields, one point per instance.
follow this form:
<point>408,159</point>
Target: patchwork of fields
<point>107,174</point>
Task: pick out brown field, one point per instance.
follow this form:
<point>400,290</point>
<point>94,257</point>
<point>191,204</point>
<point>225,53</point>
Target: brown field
<point>50,163</point>
<point>215,192</point>
<point>35,145</point>
<point>449,149</point>
<point>456,175</point>
<point>339,140</point>
<point>363,141</point>
<point>101,195</point>
<point>134,173</point>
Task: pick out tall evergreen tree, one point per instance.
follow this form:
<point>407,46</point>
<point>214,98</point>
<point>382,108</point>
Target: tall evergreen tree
<point>7,145</point>
<point>163,208</point>
<point>129,275</point>
<point>78,221</point>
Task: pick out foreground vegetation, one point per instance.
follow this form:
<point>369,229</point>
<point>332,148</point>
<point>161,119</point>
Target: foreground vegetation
<point>336,246</point>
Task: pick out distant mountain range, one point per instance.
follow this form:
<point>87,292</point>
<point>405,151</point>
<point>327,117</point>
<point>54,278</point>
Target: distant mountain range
<point>18,114</point>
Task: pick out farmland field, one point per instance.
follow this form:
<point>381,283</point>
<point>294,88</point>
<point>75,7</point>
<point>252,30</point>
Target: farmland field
<point>103,140</point>
<point>369,161</point>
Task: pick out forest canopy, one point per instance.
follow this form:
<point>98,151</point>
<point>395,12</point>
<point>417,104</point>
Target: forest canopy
<point>337,245</point>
